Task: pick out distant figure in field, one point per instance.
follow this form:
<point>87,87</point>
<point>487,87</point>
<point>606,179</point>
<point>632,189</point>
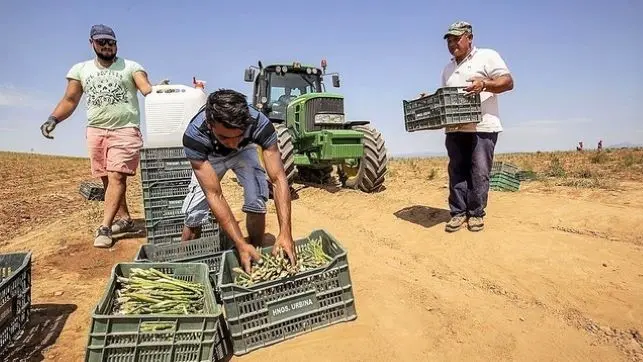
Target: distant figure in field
<point>470,147</point>
<point>600,145</point>
<point>113,131</point>
<point>579,148</point>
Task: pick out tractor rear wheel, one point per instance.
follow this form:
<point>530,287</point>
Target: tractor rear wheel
<point>369,174</point>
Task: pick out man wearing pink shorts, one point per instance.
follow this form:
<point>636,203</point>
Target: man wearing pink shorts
<point>113,136</point>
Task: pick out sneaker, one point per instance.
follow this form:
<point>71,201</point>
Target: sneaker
<point>455,223</point>
<point>122,226</point>
<point>103,237</point>
<point>476,223</point>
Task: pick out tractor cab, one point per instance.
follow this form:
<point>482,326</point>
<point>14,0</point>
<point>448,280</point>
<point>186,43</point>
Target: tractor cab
<point>277,85</point>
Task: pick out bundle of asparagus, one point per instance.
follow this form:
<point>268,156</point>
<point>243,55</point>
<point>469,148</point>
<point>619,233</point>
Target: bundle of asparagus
<point>149,291</point>
<point>5,273</point>
<point>271,267</point>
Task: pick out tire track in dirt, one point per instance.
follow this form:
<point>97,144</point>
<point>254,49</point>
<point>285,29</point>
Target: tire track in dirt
<point>636,240</point>
<point>629,341</point>
<point>464,280</point>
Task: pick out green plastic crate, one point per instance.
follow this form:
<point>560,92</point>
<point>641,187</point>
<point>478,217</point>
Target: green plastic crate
<point>162,153</point>
<point>504,167</point>
<point>167,229</point>
<point>176,237</point>
<point>92,190</point>
<point>273,311</point>
<point>15,297</point>
<point>154,190</point>
<point>206,250</point>
<point>194,337</point>
<point>166,202</point>
<point>504,181</point>
<point>163,163</point>
<point>447,106</point>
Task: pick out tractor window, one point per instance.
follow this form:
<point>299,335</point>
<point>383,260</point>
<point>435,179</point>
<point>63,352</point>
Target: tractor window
<point>284,88</point>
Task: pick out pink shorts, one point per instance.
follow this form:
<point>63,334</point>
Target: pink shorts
<point>114,150</point>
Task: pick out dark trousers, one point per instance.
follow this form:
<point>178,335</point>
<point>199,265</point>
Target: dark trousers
<point>470,161</point>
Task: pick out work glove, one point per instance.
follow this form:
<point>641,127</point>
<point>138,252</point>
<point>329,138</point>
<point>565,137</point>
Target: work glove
<point>49,127</point>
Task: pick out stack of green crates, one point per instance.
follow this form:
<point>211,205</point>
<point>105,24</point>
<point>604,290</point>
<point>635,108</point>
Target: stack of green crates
<point>504,177</point>
<point>165,176</point>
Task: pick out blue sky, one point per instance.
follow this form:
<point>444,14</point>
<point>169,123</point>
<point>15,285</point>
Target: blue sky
<point>576,71</point>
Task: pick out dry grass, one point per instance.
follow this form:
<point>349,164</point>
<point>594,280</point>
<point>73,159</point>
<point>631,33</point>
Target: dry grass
<point>588,169</point>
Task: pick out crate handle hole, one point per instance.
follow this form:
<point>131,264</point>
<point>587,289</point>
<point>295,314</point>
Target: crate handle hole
<point>157,326</point>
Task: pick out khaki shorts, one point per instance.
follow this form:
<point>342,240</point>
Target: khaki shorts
<point>251,175</point>
<point>114,150</point>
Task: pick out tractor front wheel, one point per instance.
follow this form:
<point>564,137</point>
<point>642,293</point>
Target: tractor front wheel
<point>287,150</point>
<point>284,141</point>
<point>368,175</point>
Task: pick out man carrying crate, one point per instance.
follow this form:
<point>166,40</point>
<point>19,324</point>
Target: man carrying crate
<point>471,146</point>
<point>222,136</point>
<point>113,135</point>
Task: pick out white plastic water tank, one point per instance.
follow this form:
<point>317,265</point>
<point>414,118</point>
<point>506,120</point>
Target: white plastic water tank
<point>168,110</point>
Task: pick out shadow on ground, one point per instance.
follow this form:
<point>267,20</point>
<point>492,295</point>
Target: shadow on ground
<point>138,232</point>
<point>45,324</point>
<point>423,215</point>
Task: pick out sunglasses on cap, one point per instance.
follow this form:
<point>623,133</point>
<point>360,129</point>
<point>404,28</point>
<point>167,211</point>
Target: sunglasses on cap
<point>103,42</point>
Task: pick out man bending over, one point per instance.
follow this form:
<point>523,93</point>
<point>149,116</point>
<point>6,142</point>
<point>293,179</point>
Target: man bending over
<point>224,135</point>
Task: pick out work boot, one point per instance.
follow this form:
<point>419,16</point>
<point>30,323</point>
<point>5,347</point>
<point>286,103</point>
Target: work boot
<point>455,223</point>
<point>476,223</point>
<point>103,237</point>
<point>122,226</point>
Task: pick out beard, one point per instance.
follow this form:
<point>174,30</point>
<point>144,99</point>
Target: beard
<point>101,56</point>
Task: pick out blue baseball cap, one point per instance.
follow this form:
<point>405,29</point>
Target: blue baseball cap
<point>101,31</point>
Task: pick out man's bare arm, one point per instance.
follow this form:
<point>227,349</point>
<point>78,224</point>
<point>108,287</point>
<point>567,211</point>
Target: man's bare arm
<point>142,83</point>
<point>275,170</point>
<point>500,84</point>
<point>70,100</point>
<point>211,186</point>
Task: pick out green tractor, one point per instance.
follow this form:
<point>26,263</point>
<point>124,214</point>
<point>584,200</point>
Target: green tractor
<point>313,133</point>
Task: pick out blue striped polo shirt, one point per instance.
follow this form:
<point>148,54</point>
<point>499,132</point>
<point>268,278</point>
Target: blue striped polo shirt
<point>199,142</point>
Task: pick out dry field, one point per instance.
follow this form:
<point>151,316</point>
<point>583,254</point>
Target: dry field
<point>556,276</point>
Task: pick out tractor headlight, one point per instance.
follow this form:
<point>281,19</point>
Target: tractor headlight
<point>329,118</point>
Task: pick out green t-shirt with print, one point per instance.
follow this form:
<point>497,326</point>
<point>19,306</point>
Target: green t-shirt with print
<point>111,93</point>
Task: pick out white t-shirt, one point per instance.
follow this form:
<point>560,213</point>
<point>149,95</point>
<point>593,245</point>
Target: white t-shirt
<point>480,63</point>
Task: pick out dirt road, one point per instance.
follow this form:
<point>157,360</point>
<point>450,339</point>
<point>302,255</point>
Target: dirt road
<point>556,276</point>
